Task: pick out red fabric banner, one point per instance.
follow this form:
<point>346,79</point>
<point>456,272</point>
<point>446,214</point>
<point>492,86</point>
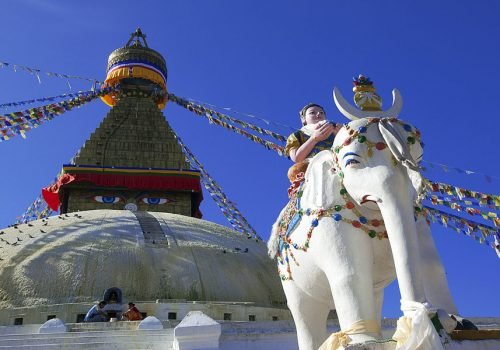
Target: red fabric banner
<point>51,194</point>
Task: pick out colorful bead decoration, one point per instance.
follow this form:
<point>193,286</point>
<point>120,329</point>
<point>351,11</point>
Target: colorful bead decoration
<point>412,138</point>
<point>336,211</point>
<point>289,222</point>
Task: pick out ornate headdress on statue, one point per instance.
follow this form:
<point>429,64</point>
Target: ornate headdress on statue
<point>366,97</point>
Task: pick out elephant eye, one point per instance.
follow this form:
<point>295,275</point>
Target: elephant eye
<point>351,162</point>
<point>155,200</point>
<point>107,199</point>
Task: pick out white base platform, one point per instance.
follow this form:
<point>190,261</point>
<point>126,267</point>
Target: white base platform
<point>277,335</point>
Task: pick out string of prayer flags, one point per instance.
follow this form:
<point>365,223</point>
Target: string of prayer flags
<point>42,99</point>
<point>228,208</point>
<point>233,215</point>
<point>227,118</point>
<point>232,110</point>
<point>467,201</point>
<point>17,123</point>
<point>435,200</point>
<point>266,121</point>
<point>486,199</point>
<point>214,118</point>
<point>37,210</point>
<point>483,234</point>
<point>446,168</point>
<point>38,72</point>
<point>211,108</point>
<point>235,218</point>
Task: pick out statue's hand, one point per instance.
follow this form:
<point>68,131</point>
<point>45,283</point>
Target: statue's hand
<point>337,128</point>
<point>323,132</point>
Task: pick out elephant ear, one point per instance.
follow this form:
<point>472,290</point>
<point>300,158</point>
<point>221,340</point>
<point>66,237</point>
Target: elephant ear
<point>321,182</point>
<point>395,138</point>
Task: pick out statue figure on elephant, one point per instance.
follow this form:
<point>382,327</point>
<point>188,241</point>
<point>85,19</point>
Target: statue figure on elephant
<point>353,226</point>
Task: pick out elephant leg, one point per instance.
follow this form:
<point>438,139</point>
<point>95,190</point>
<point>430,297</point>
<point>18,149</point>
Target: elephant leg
<point>435,282</point>
<point>309,315</point>
<point>399,221</point>
<point>379,301</point>
<point>349,269</point>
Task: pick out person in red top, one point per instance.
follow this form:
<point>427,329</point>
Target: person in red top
<point>132,314</point>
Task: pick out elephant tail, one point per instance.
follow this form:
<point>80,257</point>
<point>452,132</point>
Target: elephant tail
<point>273,243</point>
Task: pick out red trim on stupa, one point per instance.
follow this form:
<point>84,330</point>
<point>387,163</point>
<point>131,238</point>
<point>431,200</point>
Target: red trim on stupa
<point>123,178</point>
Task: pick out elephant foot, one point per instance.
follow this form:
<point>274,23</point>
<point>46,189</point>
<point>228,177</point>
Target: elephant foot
<point>421,324</point>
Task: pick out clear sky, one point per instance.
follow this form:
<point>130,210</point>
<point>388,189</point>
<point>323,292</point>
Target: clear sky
<point>269,58</point>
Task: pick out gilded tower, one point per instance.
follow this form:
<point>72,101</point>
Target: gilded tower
<point>132,160</point>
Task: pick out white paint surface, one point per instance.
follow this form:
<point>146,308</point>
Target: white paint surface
<point>54,325</point>
<point>197,331</point>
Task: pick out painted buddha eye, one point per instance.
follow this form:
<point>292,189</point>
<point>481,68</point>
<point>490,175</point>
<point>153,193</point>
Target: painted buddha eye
<point>107,199</point>
<point>155,200</point>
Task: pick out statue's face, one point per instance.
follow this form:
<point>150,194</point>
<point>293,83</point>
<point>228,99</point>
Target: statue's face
<point>314,115</point>
<point>156,201</point>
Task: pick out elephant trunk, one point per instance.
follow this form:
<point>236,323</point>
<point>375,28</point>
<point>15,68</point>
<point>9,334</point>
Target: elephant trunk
<point>398,213</point>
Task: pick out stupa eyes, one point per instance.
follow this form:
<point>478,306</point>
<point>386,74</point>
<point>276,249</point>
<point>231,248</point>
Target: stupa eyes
<point>107,199</point>
<point>110,199</point>
<point>155,200</point>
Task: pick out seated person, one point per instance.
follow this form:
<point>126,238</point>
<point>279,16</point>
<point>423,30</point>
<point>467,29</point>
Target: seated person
<point>132,314</point>
<point>316,135</point>
<point>97,313</point>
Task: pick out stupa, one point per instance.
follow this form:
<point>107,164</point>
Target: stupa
<point>130,219</point>
<point>129,229</point>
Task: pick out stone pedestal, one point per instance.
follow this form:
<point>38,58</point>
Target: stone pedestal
<point>54,325</point>
<point>197,331</point>
<point>150,323</point>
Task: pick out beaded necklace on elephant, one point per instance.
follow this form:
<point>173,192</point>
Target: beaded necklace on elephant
<point>293,211</point>
<point>357,135</point>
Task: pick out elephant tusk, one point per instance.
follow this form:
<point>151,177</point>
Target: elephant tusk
<point>353,113</point>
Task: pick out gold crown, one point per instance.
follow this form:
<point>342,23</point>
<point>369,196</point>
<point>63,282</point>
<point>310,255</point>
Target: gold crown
<point>365,95</point>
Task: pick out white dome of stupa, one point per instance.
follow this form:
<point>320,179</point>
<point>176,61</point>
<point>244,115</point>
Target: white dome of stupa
<point>75,257</point>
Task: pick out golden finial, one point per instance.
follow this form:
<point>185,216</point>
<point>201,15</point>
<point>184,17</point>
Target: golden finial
<point>365,95</point>
<point>135,39</point>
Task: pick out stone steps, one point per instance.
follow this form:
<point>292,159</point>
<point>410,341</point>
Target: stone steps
<point>97,346</point>
<point>129,326</point>
<point>151,228</point>
<point>112,339</point>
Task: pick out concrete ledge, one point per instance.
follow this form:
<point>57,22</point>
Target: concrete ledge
<point>476,335</point>
<point>453,345</point>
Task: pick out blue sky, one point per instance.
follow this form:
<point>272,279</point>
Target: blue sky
<point>269,58</point>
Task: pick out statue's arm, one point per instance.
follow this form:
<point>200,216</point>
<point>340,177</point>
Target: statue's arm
<point>302,152</point>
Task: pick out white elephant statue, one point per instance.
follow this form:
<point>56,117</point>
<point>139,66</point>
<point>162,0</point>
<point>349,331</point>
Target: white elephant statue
<point>352,229</point>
